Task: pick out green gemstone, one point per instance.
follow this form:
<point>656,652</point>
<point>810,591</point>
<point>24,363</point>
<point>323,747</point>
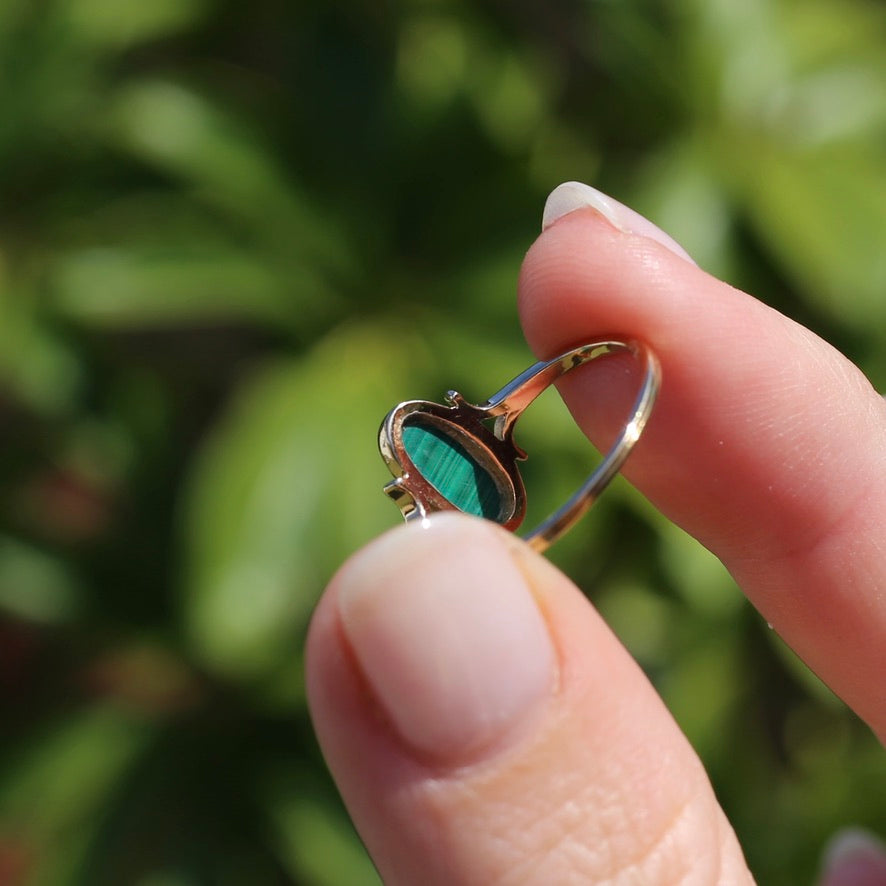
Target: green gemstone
<point>452,471</point>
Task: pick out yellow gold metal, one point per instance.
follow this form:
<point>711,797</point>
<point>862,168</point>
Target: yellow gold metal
<point>485,432</point>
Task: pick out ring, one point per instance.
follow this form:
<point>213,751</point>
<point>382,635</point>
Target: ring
<point>462,456</point>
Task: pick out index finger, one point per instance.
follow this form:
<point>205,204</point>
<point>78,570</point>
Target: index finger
<point>767,445</point>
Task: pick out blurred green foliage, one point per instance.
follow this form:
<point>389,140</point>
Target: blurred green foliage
<point>231,237</point>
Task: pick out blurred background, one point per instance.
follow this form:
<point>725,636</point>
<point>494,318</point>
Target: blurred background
<point>232,236</point>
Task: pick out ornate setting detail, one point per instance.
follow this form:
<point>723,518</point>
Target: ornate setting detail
<point>462,456</point>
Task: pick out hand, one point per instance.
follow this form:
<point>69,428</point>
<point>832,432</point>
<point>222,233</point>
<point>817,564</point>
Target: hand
<point>482,723</point>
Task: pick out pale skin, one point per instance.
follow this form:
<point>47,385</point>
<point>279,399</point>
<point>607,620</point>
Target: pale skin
<point>482,723</point>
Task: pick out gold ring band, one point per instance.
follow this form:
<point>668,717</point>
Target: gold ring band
<point>462,456</point>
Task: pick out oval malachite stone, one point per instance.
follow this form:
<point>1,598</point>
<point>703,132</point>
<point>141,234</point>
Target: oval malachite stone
<point>452,471</point>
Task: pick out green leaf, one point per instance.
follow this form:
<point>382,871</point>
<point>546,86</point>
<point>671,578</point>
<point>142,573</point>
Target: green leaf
<point>679,190</point>
<point>216,152</point>
<point>37,367</point>
<point>34,585</point>
<point>289,481</point>
<point>52,790</point>
<point>702,688</point>
<point>159,258</point>
<point>801,672</point>
<point>67,771</point>
<point>134,286</point>
<point>699,577</point>
<point>320,847</point>
<point>644,621</point>
<point>822,213</point>
<point>120,23</point>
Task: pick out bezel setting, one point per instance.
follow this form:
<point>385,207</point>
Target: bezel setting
<point>466,424</point>
<point>482,435</point>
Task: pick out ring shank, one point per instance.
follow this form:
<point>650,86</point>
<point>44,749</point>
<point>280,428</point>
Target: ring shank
<point>508,403</point>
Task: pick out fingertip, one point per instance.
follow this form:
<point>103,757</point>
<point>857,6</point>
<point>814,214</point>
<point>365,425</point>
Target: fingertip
<point>572,196</point>
<point>447,636</point>
<point>482,721</point>
<point>765,444</point>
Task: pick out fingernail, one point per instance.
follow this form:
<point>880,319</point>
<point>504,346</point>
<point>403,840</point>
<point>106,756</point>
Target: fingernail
<point>854,857</point>
<point>570,196</point>
<point>448,636</point>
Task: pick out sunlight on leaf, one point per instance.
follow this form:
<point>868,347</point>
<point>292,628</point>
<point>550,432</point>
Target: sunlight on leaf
<point>289,480</point>
<point>67,772</point>
<point>821,214</point>
<point>320,847</point>
<point>189,136</point>
<point>138,286</point>
<point>36,366</point>
<point>432,61</point>
<point>701,579</point>
<point>119,23</point>
<point>35,585</point>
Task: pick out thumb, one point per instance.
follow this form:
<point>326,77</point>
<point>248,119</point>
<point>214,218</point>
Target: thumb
<point>484,725</point>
